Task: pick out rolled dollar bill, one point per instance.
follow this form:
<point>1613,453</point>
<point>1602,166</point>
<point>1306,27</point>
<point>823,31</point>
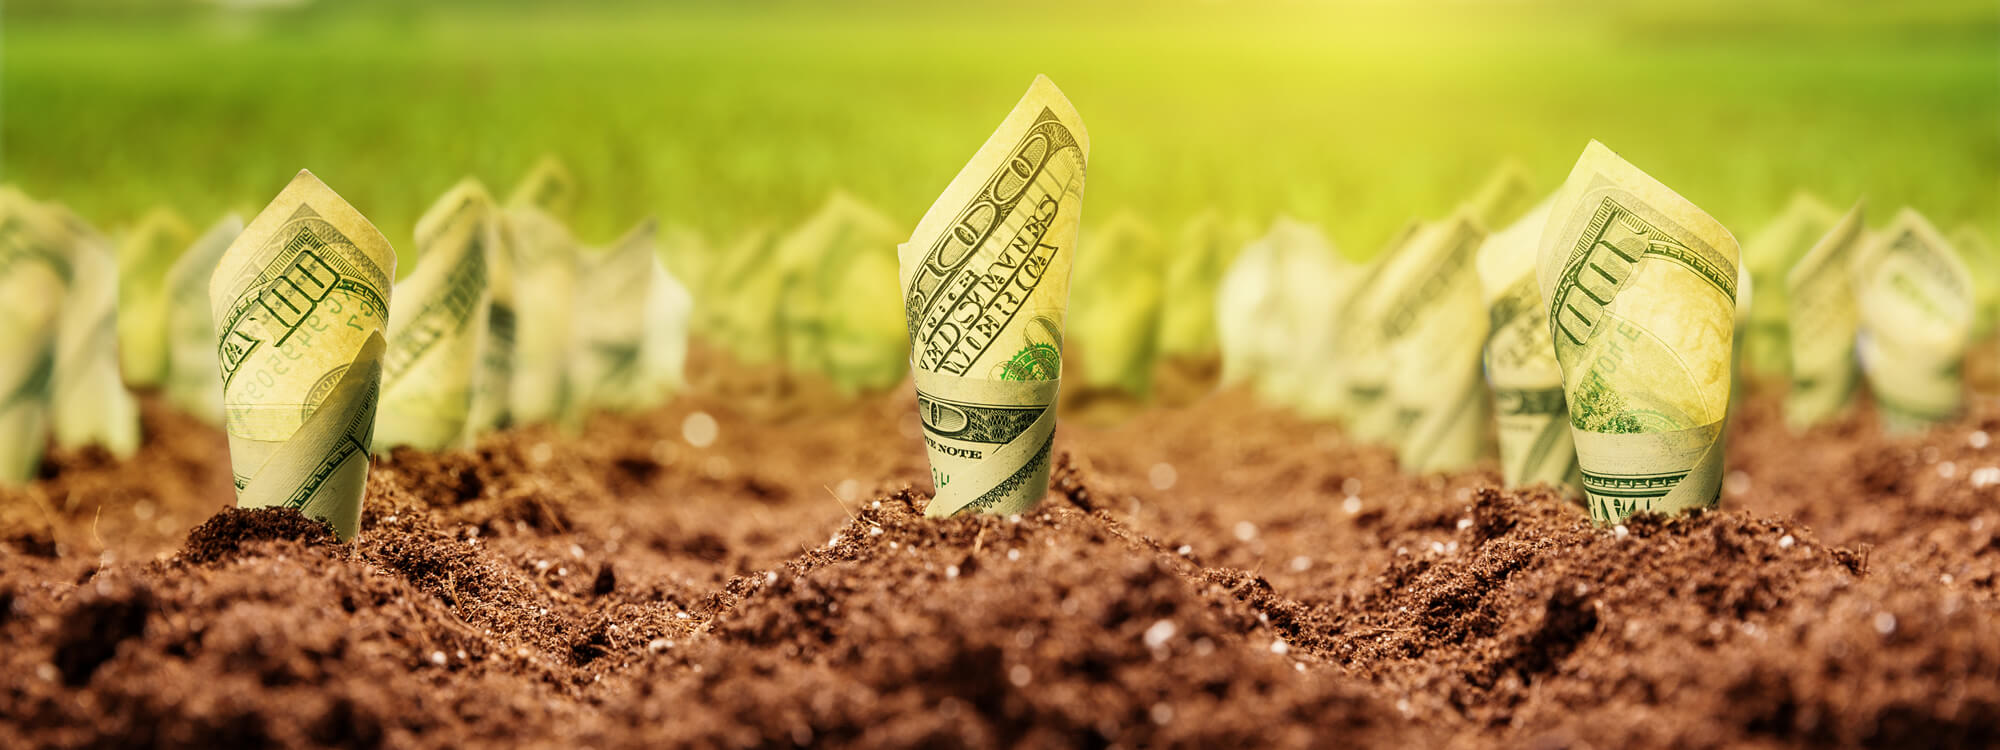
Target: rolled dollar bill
<point>545,271</point>
<point>91,404</point>
<point>547,187</point>
<point>1275,314</point>
<point>985,288</point>
<point>1362,367</point>
<point>1521,367</point>
<point>1359,371</point>
<point>1201,252</point>
<point>1435,333</point>
<point>143,259</point>
<point>745,289</point>
<point>1640,286</point>
<point>1114,320</point>
<point>34,271</point>
<point>618,319</point>
<point>1981,258</point>
<point>664,345</point>
<point>437,336</point>
<point>690,258</point>
<point>192,383</point>
<point>1822,322</point>
<point>1425,314</point>
<point>1917,308</point>
<point>1768,256</point>
<point>837,312</point>
<point>493,378</point>
<point>299,302</point>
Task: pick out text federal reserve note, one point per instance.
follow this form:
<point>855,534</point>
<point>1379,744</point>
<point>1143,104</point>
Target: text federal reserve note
<point>985,289</point>
<point>1640,286</point>
<point>299,302</point>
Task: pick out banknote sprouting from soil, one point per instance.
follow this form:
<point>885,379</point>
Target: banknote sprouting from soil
<point>749,566</point>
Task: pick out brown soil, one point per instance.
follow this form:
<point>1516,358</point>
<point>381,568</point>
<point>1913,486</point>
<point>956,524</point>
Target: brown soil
<point>1209,574</point>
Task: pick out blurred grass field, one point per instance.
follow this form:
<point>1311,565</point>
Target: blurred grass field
<point>1355,115</point>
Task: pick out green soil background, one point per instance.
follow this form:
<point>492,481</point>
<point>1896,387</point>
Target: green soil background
<point>1210,574</point>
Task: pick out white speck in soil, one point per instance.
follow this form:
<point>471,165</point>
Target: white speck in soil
<point>1885,623</point>
<point>1245,531</point>
<point>700,429</point>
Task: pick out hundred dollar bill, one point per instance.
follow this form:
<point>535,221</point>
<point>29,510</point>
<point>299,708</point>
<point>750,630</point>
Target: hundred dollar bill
<point>836,309</point>
<point>436,337</point>
<point>1430,324</point>
<point>1275,314</point>
<point>745,288</point>
<point>299,301</point>
<point>1115,317</point>
<point>1521,367</point>
<point>91,404</point>
<point>689,257</point>
<point>985,289</point>
<point>547,187</point>
<point>1768,256</point>
<point>1823,319</point>
<point>1640,286</point>
<point>192,382</point>
<point>1917,306</point>
<point>493,377</point>
<point>34,270</point>
<point>545,274</point>
<point>1503,197</point>
<point>1362,369</point>
<point>1983,260</point>
<point>143,260</point>
<point>618,319</point>
<point>1202,251</point>
<point>664,346</point>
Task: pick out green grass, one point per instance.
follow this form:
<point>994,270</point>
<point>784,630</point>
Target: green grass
<point>1358,116</point>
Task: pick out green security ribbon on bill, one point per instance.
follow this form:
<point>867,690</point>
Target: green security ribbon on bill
<point>299,302</point>
<point>1640,286</point>
<point>985,291</point>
